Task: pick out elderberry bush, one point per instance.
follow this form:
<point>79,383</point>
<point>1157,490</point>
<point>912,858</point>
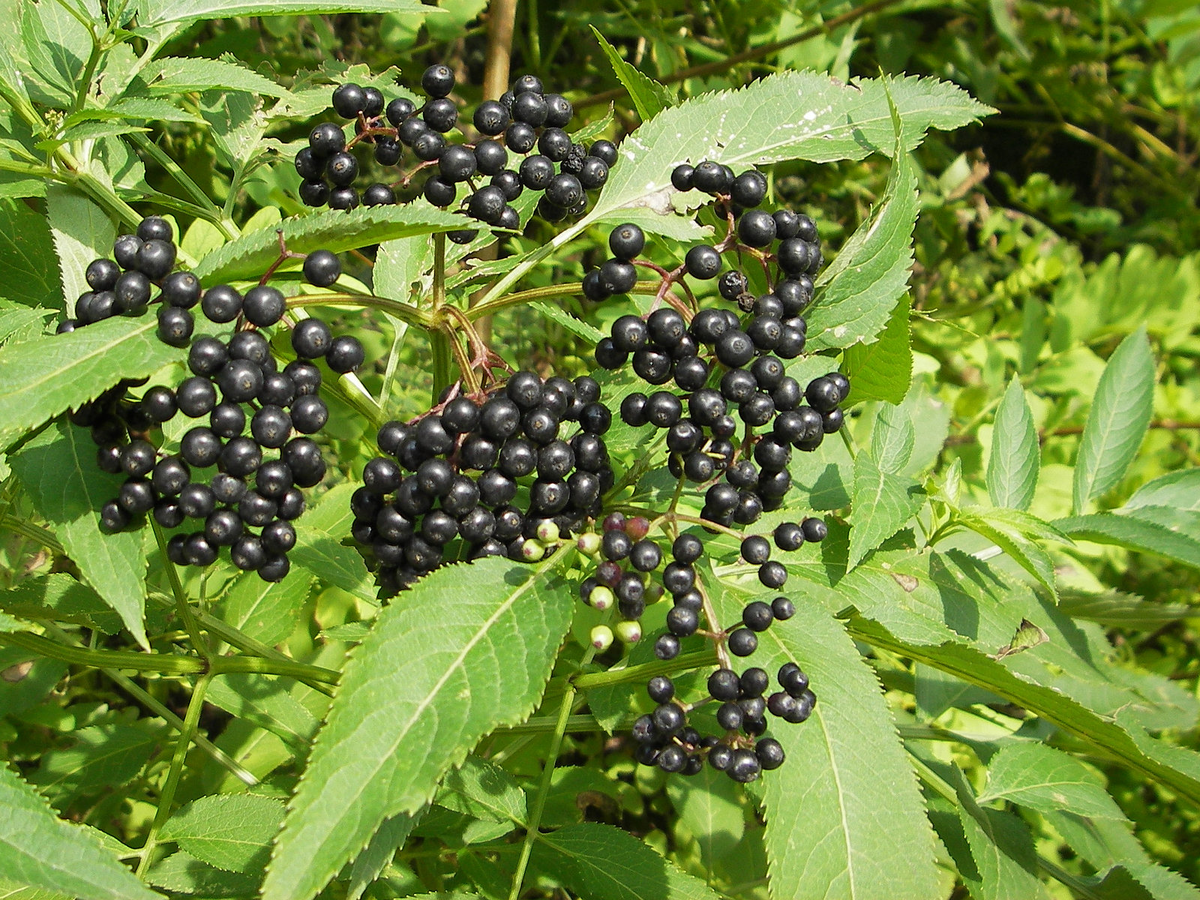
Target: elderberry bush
<point>416,143</point>
<point>236,482</point>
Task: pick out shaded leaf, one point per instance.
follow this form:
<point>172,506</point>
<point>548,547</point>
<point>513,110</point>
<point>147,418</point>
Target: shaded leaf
<point>604,863</point>
<point>1046,779</point>
<point>379,852</point>
<point>882,370</point>
<point>38,850</point>
<point>82,232</point>
<point>892,439</point>
<point>486,663</point>
<point>1012,471</point>
<point>882,504</point>
<point>184,874</point>
<point>58,469</point>
<point>171,76</point>
<point>266,701</point>
<point>265,611</point>
<point>27,257</point>
<point>1122,610</point>
<point>41,378</point>
<point>1179,490</point>
<point>1133,533</point>
<point>229,831</point>
<point>1118,420</point>
<point>101,756</point>
<point>1017,534</point>
<point>483,790</point>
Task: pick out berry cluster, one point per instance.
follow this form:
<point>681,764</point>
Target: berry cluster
<point>234,383</point>
<point>487,476</point>
<point>524,118</point>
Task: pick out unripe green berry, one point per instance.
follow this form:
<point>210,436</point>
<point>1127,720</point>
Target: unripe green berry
<point>601,638</point>
<point>601,597</point>
<point>588,544</point>
<point>532,551</point>
<point>629,631</point>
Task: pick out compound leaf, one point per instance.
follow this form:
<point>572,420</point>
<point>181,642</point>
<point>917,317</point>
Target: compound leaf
<point>470,647</point>
<point>335,230</point>
<point>82,232</point>
<point>882,370</point>
<point>1017,534</point>
<point>1012,471</point>
<point>39,851</point>
<point>41,378</point>
<point>58,469</point>
<point>605,863</point>
<point>1118,420</point>
<point>1134,532</point>
<point>830,831</point>
<point>27,256</point>
<point>648,96</point>
<point>1046,779</point>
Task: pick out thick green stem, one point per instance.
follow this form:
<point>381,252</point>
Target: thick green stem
<point>646,671</point>
<point>181,601</point>
<point>405,312</point>
<point>167,797</point>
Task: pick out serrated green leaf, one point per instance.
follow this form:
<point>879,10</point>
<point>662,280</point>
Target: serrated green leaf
<point>172,75</point>
<point>1134,532</point>
<point>893,438</point>
<point>58,469</point>
<point>21,323</point>
<point>41,378</point>
<point>183,874</point>
<point>1178,490</point>
<point>1012,471</point>
<point>1017,534</point>
<point>63,599</point>
<point>268,702</point>
<point>882,503</point>
<point>604,863</point>
<point>1002,848</point>
<point>27,257</point>
<point>708,808</point>
<point>230,831</point>
<point>267,612</point>
<point>483,790</point>
<point>795,115</point>
<point>882,370</point>
<point>1046,779</point>
<point>830,831</point>
<point>648,96</point>
<point>1122,610</point>
<point>160,12</point>
<point>858,291</point>
<point>334,230</point>
<point>320,551</point>
<point>1121,737</point>
<point>379,852</point>
<point>38,850</point>
<point>1120,415</point>
<point>382,749</point>
<point>82,232</point>
<point>101,756</point>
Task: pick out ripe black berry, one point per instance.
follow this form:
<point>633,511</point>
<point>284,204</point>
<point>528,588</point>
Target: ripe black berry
<point>626,241</point>
<point>703,262</point>
<point>742,642</point>
<point>345,354</point>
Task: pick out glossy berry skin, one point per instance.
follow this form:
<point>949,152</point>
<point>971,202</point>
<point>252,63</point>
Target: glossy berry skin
<point>349,100</point>
<point>757,616</point>
<point>437,81</point>
<point>742,642</point>
<point>345,354</point>
<point>491,118</point>
<point>723,684</point>
<point>748,189</point>
<point>703,262</point>
<point>772,574</point>
<point>814,529</point>
<point>441,115</point>
<point>626,241</point>
<point>322,268</point>
<point>789,536</point>
<point>756,229</point>
<point>221,303</point>
<point>756,550</point>
<point>326,139</point>
<point>311,339</point>
<point>263,305</point>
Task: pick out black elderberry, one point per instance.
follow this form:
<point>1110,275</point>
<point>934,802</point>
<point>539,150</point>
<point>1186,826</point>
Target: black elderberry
<point>814,529</point>
<point>756,550</point>
<point>221,303</point>
<point>102,274</point>
<point>756,229</point>
<point>666,647</point>
<point>703,262</point>
<point>744,766</point>
<point>782,608</point>
<point>723,684</point>
<point>564,190</point>
<point>345,354</point>
<point>730,716</point>
<point>437,81</point>
<point>593,173</point>
<point>757,616</point>
<point>787,223</point>
<point>749,189</point>
<point>711,177</point>
<point>626,241</point>
<point>491,118</point>
<point>661,689</point>
<point>735,349</point>
<point>441,115</point>
<point>175,326</point>
<point>314,192</point>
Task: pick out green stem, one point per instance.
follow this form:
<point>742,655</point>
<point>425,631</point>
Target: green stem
<point>181,601</point>
<point>35,533</point>
<point>631,674</point>
<point>232,636</point>
<point>405,312</point>
<point>167,797</point>
<point>227,665</point>
<point>224,224</point>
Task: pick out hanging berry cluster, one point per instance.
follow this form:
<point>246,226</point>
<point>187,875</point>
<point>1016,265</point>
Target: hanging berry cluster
<point>413,141</point>
<point>244,470</point>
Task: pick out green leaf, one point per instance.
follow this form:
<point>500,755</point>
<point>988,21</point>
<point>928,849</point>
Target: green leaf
<point>648,96</point>
<point>160,12</point>
<point>1012,471</point>
<point>604,863</point>
<point>1046,779</point>
<point>1017,534</point>
<point>38,850</point>
<point>860,288</point>
<point>379,852</point>
<point>1118,420</point>
<point>412,701</point>
<point>882,503</point>
<point>709,809</point>
<point>575,326</point>
<point>335,230</point>
<point>1002,848</point>
<point>1133,533</point>
<point>1121,737</point>
<point>101,756</point>
<point>41,378</point>
<point>795,115</point>
<point>82,232</point>
<point>882,370</point>
<point>265,611</point>
<point>183,874</point>
<point>268,702</point>
<point>320,551</point>
<point>893,438</point>
<point>858,842</point>
<point>58,469</point>
<point>172,76</point>
<point>63,599</point>
<point>1122,610</point>
<point>483,790</point>
<point>1179,490</point>
<point>27,258</point>
<point>229,831</point>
